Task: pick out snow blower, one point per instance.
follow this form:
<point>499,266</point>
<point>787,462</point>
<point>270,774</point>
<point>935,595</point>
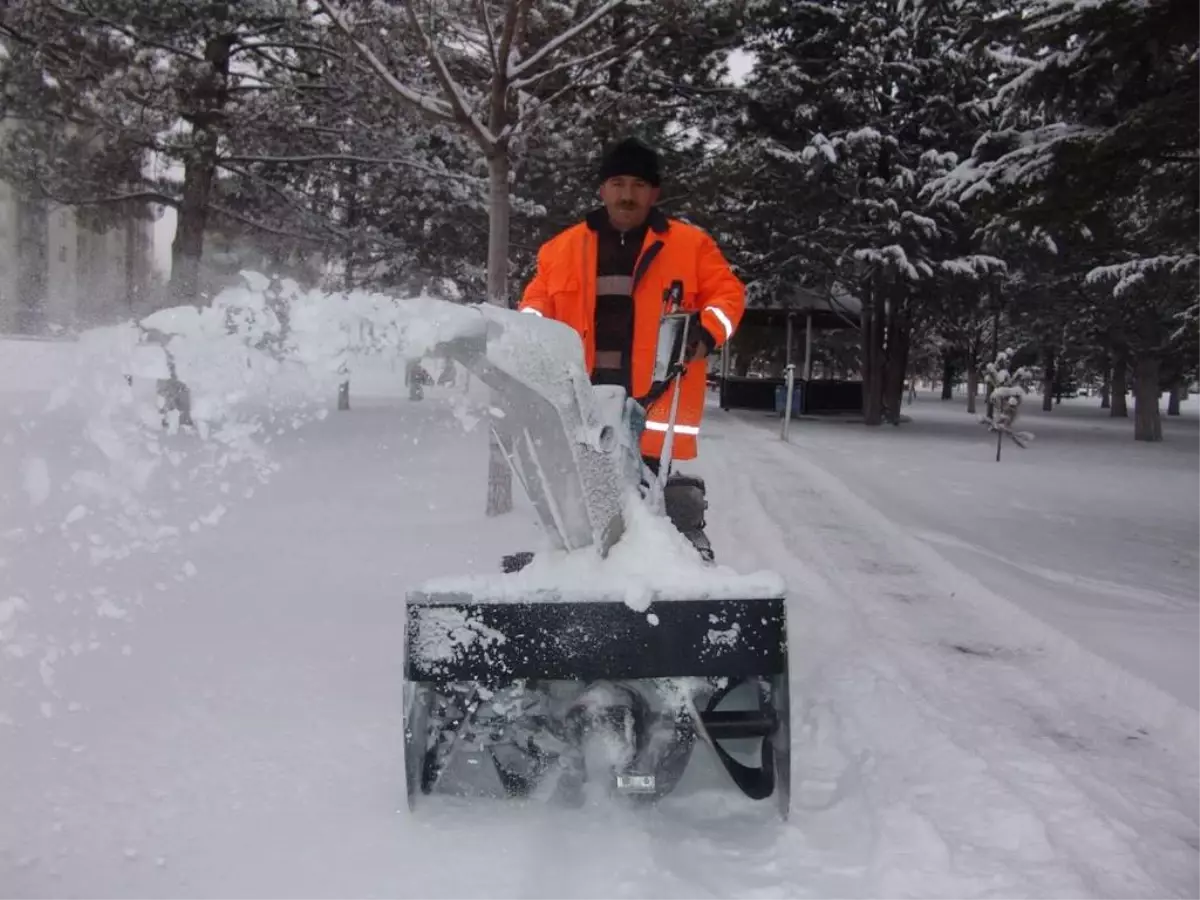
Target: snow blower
<point>606,660</point>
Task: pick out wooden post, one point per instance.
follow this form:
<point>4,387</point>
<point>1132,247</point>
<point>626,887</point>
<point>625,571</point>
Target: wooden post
<point>807,373</point>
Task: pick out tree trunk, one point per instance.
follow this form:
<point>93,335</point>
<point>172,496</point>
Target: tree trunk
<point>133,255</point>
<point>1147,424</point>
<point>353,212</point>
<point>1178,390</point>
<point>898,339</point>
<point>873,359</point>
<point>1047,379</point>
<point>1106,387</point>
<point>204,110</point>
<point>188,246</point>
<point>1120,385</point>
<point>498,228</point>
<point>947,380</point>
<point>500,491</point>
<point>972,380</point>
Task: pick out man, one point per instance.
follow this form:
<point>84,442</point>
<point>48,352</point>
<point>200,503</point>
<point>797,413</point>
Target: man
<point>607,277</point>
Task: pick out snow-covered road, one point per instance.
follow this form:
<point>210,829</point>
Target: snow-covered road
<point>235,728</point>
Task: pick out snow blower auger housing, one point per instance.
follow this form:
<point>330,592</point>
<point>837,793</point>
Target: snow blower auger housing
<point>589,668</point>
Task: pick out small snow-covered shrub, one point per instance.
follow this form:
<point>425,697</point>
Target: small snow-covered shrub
<point>1008,388</point>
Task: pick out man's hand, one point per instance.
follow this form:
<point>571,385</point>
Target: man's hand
<point>700,342</point>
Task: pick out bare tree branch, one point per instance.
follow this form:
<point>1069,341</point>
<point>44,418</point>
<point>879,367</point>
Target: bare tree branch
<point>425,102</point>
<point>524,84</point>
<point>491,38</point>
<point>529,119</point>
<point>514,15</point>
<point>483,136</point>
<point>530,62</point>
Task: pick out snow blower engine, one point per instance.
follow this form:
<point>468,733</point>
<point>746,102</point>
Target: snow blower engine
<point>566,674</point>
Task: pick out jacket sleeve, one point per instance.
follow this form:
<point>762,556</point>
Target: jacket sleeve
<point>536,298</point>
<point>722,296</point>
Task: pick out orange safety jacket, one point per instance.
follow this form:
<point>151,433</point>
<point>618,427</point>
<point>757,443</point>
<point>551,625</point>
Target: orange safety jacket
<point>564,288</point>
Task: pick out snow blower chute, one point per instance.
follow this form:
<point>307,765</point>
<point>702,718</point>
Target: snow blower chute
<point>581,669</point>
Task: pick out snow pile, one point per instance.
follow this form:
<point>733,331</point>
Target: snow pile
<point>653,562</point>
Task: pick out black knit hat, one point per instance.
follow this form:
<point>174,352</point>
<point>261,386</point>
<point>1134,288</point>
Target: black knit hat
<point>631,157</point>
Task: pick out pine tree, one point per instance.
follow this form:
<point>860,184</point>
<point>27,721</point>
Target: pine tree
<point>1006,388</point>
<point>101,90</point>
<point>852,110</point>
<point>1098,134</point>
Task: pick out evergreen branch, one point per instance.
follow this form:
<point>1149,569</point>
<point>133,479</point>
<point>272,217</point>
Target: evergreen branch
<point>261,226</point>
<point>303,159</point>
<point>59,56</point>
<point>88,15</point>
<point>139,196</point>
<point>278,192</point>
<point>257,50</point>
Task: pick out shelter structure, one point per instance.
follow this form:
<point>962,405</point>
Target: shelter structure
<point>751,369</point>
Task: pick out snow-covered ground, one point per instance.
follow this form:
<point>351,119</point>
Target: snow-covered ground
<point>200,669</point>
<point>1087,529</point>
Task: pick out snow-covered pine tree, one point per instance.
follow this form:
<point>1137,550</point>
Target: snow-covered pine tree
<point>851,108</point>
<point>166,102</point>
<point>1007,387</point>
<point>1097,131</point>
<point>1162,290</point>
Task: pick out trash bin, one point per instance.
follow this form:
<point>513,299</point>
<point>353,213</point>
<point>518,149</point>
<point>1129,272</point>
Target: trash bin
<point>781,398</point>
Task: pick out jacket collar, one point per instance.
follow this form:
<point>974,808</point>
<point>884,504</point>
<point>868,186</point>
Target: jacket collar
<point>657,220</point>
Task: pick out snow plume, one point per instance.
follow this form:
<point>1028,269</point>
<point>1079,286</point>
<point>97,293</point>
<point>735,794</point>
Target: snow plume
<point>210,386</point>
<point>1004,402</point>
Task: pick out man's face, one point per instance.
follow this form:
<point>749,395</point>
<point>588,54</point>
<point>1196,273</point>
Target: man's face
<point>628,200</point>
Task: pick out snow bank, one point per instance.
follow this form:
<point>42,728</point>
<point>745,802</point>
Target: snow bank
<point>33,365</point>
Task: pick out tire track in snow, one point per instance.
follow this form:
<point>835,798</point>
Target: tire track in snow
<point>882,740</point>
<point>1027,793</point>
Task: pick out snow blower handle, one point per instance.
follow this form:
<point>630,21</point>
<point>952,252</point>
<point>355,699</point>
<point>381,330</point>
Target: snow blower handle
<point>670,357</point>
<point>673,346</point>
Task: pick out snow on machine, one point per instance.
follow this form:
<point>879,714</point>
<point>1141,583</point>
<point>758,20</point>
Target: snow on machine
<point>602,662</point>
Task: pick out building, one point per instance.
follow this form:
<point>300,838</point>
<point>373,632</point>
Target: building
<point>59,274</point>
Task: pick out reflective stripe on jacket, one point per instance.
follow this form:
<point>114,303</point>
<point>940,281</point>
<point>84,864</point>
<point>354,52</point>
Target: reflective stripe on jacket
<point>564,288</point>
